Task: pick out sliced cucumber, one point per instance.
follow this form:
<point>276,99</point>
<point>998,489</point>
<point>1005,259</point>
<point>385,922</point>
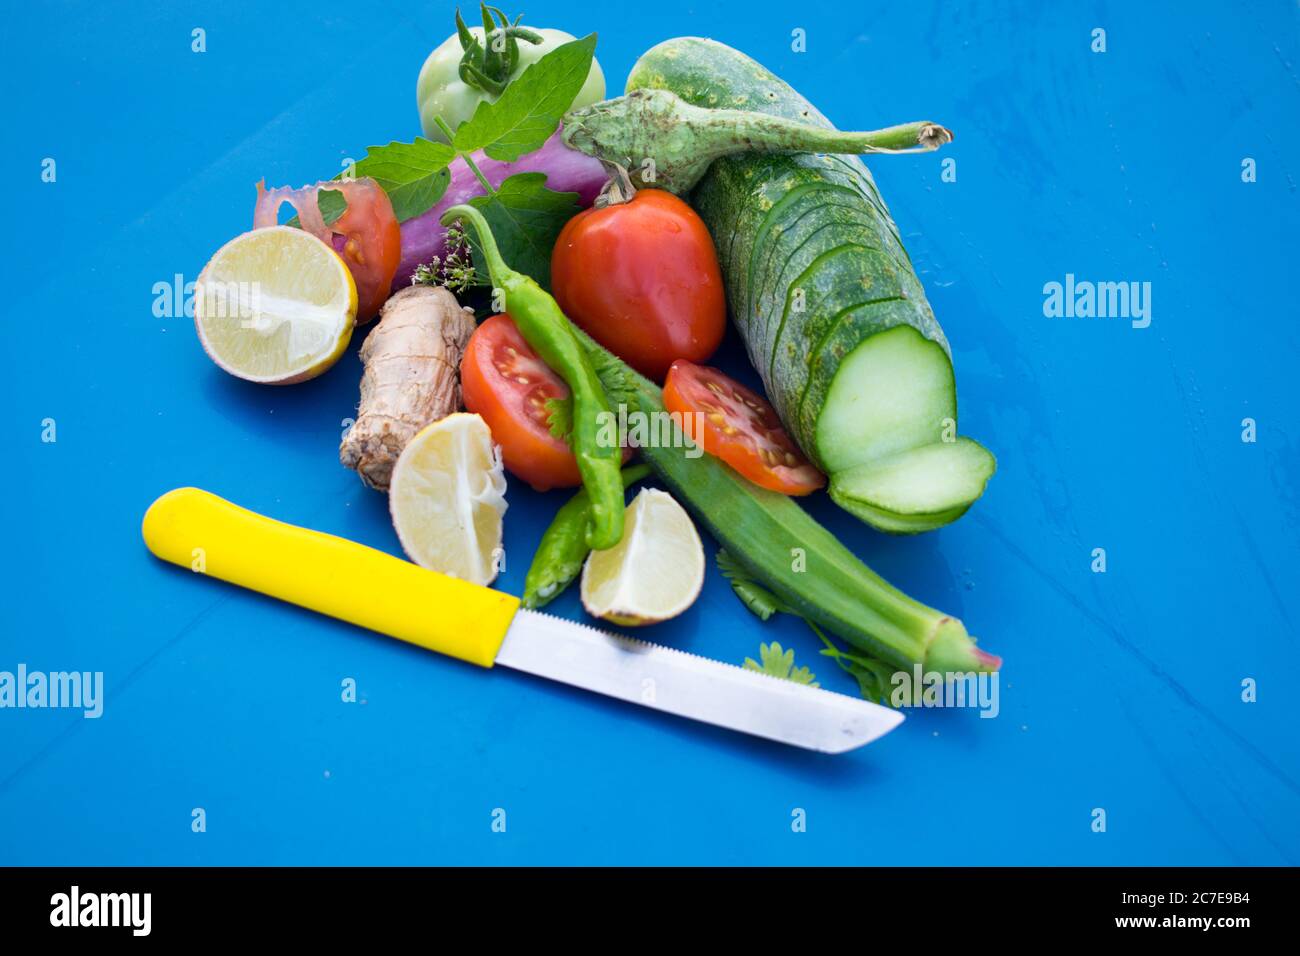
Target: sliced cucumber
<point>885,434</point>
<point>916,489</point>
<point>831,311</point>
<point>893,392</point>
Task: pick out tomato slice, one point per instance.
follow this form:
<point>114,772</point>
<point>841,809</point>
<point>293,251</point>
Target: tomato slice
<point>367,236</point>
<point>741,428</point>
<point>505,382</point>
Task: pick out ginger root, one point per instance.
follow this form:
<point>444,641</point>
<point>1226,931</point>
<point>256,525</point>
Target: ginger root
<point>412,377</point>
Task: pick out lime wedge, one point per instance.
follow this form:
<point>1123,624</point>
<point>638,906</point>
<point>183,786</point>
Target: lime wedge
<point>654,573</point>
<point>447,498</point>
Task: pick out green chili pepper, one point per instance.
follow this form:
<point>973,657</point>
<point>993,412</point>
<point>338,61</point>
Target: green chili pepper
<point>545,328</point>
<point>563,547</point>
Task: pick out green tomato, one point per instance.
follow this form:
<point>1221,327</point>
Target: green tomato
<point>441,92</point>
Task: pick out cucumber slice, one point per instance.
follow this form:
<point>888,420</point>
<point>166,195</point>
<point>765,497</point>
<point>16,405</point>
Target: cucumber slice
<point>896,524</point>
<point>891,393</point>
<point>917,489</point>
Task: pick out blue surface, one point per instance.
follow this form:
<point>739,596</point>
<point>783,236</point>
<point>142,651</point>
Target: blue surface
<point>1120,691</point>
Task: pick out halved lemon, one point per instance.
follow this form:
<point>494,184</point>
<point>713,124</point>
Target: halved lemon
<point>448,497</point>
<point>654,573</point>
<point>275,306</point>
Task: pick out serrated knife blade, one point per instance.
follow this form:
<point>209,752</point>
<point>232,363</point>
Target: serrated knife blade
<point>681,683</point>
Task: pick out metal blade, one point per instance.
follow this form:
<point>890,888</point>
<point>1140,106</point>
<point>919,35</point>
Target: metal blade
<point>680,683</point>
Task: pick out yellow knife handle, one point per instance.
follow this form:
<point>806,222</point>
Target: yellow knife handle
<point>334,576</point>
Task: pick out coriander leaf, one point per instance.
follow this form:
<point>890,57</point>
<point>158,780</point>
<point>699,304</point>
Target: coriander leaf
<point>762,602</point>
<point>559,416</point>
<point>415,175</point>
<point>779,663</point>
<point>526,218</point>
<point>532,105</point>
<point>874,677</point>
<point>802,675</point>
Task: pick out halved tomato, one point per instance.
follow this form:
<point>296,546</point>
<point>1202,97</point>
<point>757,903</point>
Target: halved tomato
<point>505,382</point>
<point>741,428</point>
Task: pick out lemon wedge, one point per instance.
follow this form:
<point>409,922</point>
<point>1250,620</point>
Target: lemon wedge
<point>275,306</point>
<point>654,573</point>
<point>448,497</point>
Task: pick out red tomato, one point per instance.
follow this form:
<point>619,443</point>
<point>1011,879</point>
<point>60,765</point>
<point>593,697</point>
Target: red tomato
<point>372,242</point>
<point>504,381</point>
<point>642,279</point>
<point>741,428</point>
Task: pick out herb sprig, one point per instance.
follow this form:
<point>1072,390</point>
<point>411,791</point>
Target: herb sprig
<point>454,269</point>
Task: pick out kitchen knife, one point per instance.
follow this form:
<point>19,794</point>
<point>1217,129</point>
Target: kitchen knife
<point>354,583</point>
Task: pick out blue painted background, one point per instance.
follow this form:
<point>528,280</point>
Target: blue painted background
<point>1120,690</point>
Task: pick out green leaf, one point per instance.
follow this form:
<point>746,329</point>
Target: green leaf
<point>779,663</point>
<point>874,676</point>
<point>332,205</point>
<point>415,175</point>
<point>559,416</point>
<point>526,218</point>
<point>762,602</point>
<point>532,105</point>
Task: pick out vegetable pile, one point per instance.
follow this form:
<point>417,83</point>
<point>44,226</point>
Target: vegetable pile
<point>604,243</point>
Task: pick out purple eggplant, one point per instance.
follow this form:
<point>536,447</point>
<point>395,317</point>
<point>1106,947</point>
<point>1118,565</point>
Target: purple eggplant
<point>567,170</point>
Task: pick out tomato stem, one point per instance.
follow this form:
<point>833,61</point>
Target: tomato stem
<point>488,65</point>
<point>618,189</point>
